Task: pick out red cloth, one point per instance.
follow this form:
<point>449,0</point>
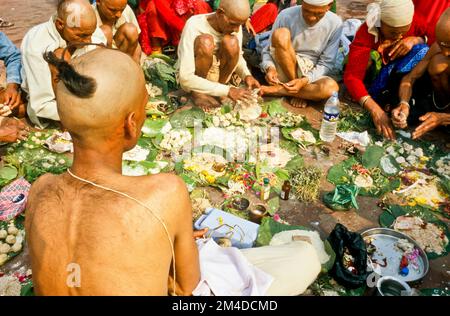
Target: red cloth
<point>359,56</point>
<point>165,20</point>
<point>431,11</point>
<point>264,17</point>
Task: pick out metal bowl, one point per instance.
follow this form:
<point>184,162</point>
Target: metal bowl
<point>384,241</point>
<point>240,203</point>
<point>258,213</point>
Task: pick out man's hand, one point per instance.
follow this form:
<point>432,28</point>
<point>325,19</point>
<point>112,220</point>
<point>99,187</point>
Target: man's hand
<point>238,94</point>
<point>430,121</point>
<point>295,85</point>
<point>383,124</point>
<point>402,47</point>
<point>400,116</point>
<point>12,95</point>
<point>200,233</point>
<point>249,27</point>
<point>252,83</point>
<point>272,76</point>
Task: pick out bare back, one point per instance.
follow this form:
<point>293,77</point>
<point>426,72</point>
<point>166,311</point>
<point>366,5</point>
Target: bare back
<point>119,247</point>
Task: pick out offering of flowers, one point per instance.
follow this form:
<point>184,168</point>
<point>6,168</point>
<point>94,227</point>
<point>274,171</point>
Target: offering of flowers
<point>275,156</point>
<point>11,240</point>
<point>206,165</point>
<point>303,136</point>
<point>287,119</point>
<point>430,237</point>
<point>176,139</point>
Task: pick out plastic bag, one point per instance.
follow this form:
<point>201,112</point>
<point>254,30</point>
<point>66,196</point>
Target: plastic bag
<point>342,198</point>
<point>341,239</point>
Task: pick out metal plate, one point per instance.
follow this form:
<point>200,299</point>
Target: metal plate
<point>384,239</point>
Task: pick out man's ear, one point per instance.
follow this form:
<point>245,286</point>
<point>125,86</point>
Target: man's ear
<point>59,23</point>
<point>330,6</point>
<point>131,128</point>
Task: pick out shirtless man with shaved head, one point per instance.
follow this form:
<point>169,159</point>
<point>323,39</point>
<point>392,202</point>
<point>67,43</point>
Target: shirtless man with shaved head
<point>120,26</point>
<point>93,231</point>
<point>74,22</point>
<point>437,64</point>
<point>210,51</point>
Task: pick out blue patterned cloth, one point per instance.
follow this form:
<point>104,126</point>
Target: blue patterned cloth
<point>401,66</point>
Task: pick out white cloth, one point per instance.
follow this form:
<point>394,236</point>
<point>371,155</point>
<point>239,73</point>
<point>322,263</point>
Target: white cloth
<point>36,72</point>
<point>395,13</point>
<point>294,266</point>
<point>362,139</point>
<point>318,3</point>
<point>318,43</point>
<point>226,272</point>
<point>126,17</point>
<point>189,81</point>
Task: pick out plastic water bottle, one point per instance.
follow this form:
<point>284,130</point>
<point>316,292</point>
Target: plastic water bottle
<point>330,118</point>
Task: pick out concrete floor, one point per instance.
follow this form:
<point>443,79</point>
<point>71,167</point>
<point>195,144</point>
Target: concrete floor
<point>27,13</point>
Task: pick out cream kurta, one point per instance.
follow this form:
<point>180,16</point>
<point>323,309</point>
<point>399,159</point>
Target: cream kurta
<point>189,81</point>
<point>36,74</point>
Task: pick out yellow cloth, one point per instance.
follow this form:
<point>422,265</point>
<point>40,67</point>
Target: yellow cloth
<point>294,266</point>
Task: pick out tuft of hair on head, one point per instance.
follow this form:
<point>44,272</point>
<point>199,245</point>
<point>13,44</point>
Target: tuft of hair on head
<point>78,84</point>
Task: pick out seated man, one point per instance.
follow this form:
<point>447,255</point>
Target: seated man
<point>93,231</point>
<point>10,96</point>
<point>63,29</point>
<point>120,26</point>
<point>304,44</point>
<point>437,64</point>
<point>210,51</point>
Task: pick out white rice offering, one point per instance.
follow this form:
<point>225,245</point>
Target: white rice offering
<point>286,237</point>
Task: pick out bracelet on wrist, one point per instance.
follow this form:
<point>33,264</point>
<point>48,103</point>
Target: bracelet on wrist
<point>364,100</point>
<point>405,103</point>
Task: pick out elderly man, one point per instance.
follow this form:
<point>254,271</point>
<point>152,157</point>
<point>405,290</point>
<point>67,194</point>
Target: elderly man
<point>93,231</point>
<point>120,26</point>
<point>304,44</point>
<point>10,95</point>
<point>210,51</point>
<point>74,22</point>
<point>437,64</point>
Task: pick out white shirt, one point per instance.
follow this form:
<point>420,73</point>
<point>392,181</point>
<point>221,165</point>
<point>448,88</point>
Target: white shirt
<point>189,81</point>
<point>37,81</point>
<point>318,43</point>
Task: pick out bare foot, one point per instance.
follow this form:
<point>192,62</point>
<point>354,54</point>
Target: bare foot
<point>299,103</point>
<point>203,101</point>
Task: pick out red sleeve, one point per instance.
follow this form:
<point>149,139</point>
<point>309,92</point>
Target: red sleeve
<point>358,59</point>
<point>419,28</point>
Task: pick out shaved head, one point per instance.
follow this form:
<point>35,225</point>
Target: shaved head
<point>97,106</point>
<point>443,27</point>
<point>76,12</point>
<point>236,9</point>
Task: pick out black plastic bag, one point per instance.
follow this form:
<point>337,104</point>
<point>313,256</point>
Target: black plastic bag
<point>341,239</point>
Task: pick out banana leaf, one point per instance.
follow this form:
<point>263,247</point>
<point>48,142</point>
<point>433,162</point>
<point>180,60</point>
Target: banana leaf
<point>187,118</point>
<point>152,128</point>
<point>7,174</point>
<point>372,156</point>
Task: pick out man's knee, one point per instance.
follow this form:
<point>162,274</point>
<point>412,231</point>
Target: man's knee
<point>230,45</point>
<point>327,87</point>
<point>204,46</point>
<point>129,31</point>
<point>281,38</point>
<point>438,66</point>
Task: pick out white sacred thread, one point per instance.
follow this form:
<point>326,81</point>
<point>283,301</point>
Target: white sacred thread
<point>146,207</point>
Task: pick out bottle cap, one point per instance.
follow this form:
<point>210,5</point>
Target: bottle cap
<point>266,181</point>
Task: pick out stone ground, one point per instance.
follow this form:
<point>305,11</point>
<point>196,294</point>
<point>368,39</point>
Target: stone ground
<point>27,13</point>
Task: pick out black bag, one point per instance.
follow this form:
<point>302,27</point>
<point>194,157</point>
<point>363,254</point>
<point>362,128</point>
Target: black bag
<point>340,238</point>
